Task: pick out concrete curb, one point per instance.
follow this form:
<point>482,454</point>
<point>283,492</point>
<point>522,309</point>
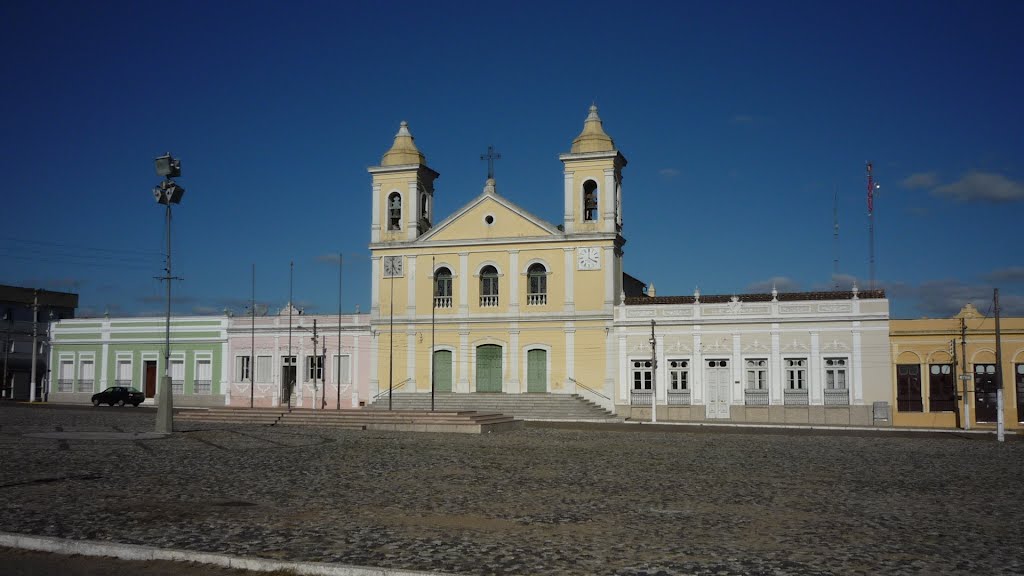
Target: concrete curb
<point>816,427</point>
<point>137,552</point>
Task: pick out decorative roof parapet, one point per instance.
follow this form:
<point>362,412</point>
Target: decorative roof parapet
<point>699,298</point>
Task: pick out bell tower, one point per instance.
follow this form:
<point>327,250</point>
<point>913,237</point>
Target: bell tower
<point>593,181</point>
<point>403,192</point>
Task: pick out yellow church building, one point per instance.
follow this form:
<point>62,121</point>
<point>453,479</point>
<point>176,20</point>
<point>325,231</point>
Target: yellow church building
<point>493,299</point>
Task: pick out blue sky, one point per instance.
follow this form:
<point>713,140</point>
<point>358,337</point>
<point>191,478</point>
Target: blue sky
<point>742,121</point>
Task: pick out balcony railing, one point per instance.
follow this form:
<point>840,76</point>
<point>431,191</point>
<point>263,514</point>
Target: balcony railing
<point>203,386</point>
<point>442,301</point>
<point>795,397</point>
<point>536,299</point>
<point>640,398</point>
<point>65,385</point>
<point>678,398</point>
<point>755,397</point>
<point>86,386</point>
<point>488,301</point>
<point>837,397</point>
<point>177,386</point>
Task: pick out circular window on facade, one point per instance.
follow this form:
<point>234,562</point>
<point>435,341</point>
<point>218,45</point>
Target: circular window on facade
<point>489,219</point>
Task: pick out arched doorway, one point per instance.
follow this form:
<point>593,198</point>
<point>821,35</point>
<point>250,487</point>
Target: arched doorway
<point>488,368</point>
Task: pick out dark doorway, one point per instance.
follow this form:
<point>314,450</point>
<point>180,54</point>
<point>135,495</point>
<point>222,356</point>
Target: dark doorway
<point>150,382</point>
<point>985,393</point>
<point>287,379</point>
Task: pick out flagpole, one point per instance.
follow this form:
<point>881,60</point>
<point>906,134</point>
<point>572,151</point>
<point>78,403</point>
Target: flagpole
<point>433,307</point>
<point>338,383</point>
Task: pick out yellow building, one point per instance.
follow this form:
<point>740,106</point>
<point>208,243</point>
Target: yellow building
<point>494,299</point>
<point>931,358</point>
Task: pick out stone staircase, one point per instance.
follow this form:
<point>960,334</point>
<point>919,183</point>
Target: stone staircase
<point>553,407</point>
<point>458,421</point>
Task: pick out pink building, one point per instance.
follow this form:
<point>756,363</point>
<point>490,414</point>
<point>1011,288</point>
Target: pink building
<point>326,362</point>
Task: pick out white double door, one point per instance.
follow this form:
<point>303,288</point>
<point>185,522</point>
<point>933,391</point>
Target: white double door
<point>717,378</point>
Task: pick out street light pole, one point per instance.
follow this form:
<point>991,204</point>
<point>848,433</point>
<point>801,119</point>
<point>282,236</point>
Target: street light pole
<point>167,193</point>
<point>35,345</point>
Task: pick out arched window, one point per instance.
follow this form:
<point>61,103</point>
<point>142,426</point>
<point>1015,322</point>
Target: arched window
<point>395,211</point>
<point>590,200</point>
<point>488,286</point>
<point>536,285</point>
<point>443,288</point>
<point>423,207</point>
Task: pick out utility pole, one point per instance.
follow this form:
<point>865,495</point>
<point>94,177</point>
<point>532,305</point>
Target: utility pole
<point>291,359</point>
<point>999,371</point>
<point>9,317</point>
<point>654,376</point>
<point>35,335</point>
<point>313,367</point>
<point>956,407</point>
<point>338,382</point>
<point>252,351</point>
<point>835,239</point>
<point>966,376</point>
<point>391,342</point>
<point>433,308</point>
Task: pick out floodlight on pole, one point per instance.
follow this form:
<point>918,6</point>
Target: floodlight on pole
<point>167,193</point>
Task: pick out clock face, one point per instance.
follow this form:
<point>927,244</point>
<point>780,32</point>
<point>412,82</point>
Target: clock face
<point>392,266</point>
<point>588,258</point>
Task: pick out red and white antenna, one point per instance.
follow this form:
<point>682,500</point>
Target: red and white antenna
<point>872,187</point>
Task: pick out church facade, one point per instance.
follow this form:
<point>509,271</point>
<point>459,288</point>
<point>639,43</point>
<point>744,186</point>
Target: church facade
<point>493,299</point>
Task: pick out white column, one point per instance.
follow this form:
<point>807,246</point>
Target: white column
<point>607,201</point>
<point>777,375</point>
<point>570,270</point>
<point>374,388</point>
<point>625,383</point>
<point>463,359</point>
<point>858,366</point>
<point>410,361</point>
<point>737,370</point>
<point>661,378</point>
<point>570,353</point>
<point>357,347</point>
<point>697,372</point>
<point>608,261</point>
<point>513,281</point>
<point>570,202</point>
<point>375,287</point>
<point>375,220</point>
<point>410,205</point>
<point>814,374</point>
<point>464,274</point>
<point>610,356</point>
<point>410,275</point>
<point>513,386</point>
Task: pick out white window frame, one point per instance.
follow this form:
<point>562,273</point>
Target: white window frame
<point>342,376</point>
<point>177,384</point>
<point>796,374</point>
<point>314,368</point>
<point>120,360</point>
<point>265,375</point>
<point>80,379</point>
<point>759,373</point>
<point>835,370</point>
<point>202,358</point>
<point>66,373</point>
<point>243,368</point>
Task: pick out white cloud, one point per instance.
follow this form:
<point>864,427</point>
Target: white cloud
<point>982,187</point>
<point>921,180</point>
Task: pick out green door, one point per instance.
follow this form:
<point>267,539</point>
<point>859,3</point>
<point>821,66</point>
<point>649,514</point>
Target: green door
<point>537,371</point>
<point>488,368</point>
<point>443,371</point>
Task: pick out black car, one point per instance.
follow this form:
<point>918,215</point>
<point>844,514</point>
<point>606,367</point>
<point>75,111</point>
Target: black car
<point>119,395</point>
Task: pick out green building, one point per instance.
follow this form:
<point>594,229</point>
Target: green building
<point>89,355</point>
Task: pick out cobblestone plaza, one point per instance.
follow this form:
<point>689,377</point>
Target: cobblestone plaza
<point>592,499</point>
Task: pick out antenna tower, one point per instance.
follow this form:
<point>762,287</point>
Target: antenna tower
<point>835,238</point>
<point>871,227</point>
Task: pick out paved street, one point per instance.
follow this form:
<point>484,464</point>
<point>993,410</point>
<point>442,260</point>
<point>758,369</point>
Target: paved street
<point>624,500</point>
